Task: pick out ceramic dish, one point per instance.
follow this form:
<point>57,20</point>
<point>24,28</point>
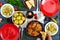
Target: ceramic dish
<point>18,18</point>
<point>52,28</point>
<point>32,30</point>
<point>10,32</point>
<point>49,7</point>
<point>7,10</point>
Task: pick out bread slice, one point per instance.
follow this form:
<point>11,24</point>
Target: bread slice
<point>32,2</point>
<point>28,4</point>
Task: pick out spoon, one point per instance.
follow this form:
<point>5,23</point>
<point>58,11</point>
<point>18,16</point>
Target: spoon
<point>22,28</point>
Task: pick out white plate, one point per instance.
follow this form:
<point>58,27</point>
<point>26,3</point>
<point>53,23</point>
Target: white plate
<point>5,15</point>
<point>55,26</point>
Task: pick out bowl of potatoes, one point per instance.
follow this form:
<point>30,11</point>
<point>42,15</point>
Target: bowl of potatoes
<point>18,18</point>
<point>7,10</point>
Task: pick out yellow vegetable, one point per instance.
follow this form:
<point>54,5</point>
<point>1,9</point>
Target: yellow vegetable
<point>14,18</point>
<point>18,17</point>
<point>16,14</point>
<point>23,18</point>
<point>20,14</point>
<point>16,22</point>
<point>20,22</point>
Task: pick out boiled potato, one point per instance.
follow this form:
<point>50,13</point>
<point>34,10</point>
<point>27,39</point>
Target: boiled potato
<point>19,17</point>
<point>20,22</point>
<point>20,14</point>
<point>14,18</point>
<point>7,10</point>
<point>16,14</point>
<point>23,18</point>
<point>16,22</point>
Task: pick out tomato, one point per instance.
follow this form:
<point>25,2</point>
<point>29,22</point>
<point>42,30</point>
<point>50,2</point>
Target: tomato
<point>49,8</point>
<point>9,32</point>
<point>16,9</point>
<point>35,16</point>
<point>1,4</point>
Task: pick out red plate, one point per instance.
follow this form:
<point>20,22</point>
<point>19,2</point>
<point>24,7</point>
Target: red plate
<point>10,32</point>
<point>49,7</point>
<point>59,5</point>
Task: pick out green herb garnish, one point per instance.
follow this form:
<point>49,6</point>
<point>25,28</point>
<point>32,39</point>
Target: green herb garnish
<point>18,3</point>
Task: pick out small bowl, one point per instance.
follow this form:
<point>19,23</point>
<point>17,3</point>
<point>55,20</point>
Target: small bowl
<point>10,31</point>
<point>29,16</point>
<point>49,7</point>
<point>55,26</point>
<point>23,21</point>
<point>10,14</point>
<point>29,24</point>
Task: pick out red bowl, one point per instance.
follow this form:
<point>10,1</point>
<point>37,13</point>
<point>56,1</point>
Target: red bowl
<point>10,32</point>
<point>49,7</point>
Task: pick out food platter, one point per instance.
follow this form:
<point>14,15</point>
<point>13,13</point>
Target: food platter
<point>54,28</point>
<point>37,27</point>
<point>10,10</point>
<point>31,22</point>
